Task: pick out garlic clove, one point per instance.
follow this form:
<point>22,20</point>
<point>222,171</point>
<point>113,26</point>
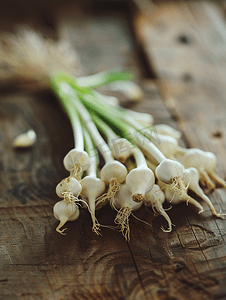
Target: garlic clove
<point>125,204</point>
<point>192,180</point>
<point>156,194</point>
<point>25,140</point>
<point>168,169</point>
<point>64,212</point>
<point>123,198</point>
<point>176,196</point>
<point>112,173</point>
<point>140,181</point>
<point>68,185</point>
<point>211,161</point>
<point>155,198</point>
<point>92,187</point>
<point>113,170</point>
<point>75,157</point>
<point>204,162</point>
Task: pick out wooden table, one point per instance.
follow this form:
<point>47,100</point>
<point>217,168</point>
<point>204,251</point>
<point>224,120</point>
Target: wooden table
<point>177,51</point>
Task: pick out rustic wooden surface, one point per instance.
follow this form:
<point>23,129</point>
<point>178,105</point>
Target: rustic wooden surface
<point>177,50</point>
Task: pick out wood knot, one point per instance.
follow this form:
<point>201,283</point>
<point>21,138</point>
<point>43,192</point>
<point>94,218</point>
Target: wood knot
<point>187,77</point>
<point>178,267</point>
<point>217,134</point>
<point>183,39</point>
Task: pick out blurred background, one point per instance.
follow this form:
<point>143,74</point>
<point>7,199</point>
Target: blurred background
<point>177,51</point>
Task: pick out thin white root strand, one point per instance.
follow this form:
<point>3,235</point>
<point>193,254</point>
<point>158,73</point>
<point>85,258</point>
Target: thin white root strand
<point>69,197</point>
<point>165,230</point>
<point>141,220</point>
<point>122,220</point>
<point>96,224</point>
<point>164,214</point>
<point>154,210</point>
<point>178,185</point>
<point>220,215</point>
<point>101,199</point>
<point>159,211</point>
<point>76,172</point>
<point>100,204</point>
<point>195,203</point>
<point>208,201</point>
<point>111,227</point>
<point>169,208</point>
<point>61,224</point>
<point>113,188</point>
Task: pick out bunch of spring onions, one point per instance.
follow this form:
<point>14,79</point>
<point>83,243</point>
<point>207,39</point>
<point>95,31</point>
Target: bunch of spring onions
<point>141,166</point>
<point>103,128</point>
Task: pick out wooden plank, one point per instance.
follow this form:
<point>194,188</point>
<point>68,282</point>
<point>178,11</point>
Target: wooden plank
<point>185,43</point>
<point>30,175</point>
<point>38,263</point>
<point>101,40</point>
<point>142,250</point>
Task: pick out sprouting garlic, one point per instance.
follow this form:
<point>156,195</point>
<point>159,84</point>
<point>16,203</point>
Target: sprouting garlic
<point>64,211</point>
<point>68,185</point>
<point>155,198</point>
<point>201,161</point>
<point>92,187</point>
<point>124,203</point>
<point>168,169</point>
<point>76,161</point>
<point>113,170</point>
<point>113,173</point>
<point>25,140</point>
<point>191,179</point>
<point>176,195</point>
<point>141,179</point>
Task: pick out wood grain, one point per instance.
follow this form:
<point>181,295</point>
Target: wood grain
<point>38,263</point>
<point>185,42</point>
